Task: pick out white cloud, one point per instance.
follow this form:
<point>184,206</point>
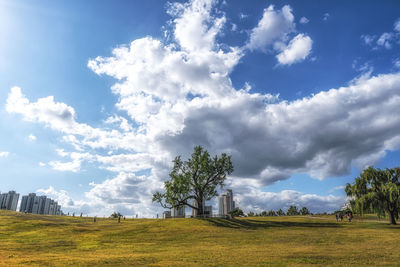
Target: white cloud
<point>32,137</point>
<point>384,40</point>
<point>272,34</point>
<point>74,165</point>
<point>396,62</point>
<point>297,50</point>
<point>41,164</point>
<point>397,25</point>
<point>195,27</point>
<point>304,20</point>
<point>4,154</point>
<point>60,196</point>
<point>325,17</point>
<point>56,115</point>
<point>273,29</point>
<point>368,39</point>
<point>243,16</point>
<point>336,188</point>
<point>234,27</point>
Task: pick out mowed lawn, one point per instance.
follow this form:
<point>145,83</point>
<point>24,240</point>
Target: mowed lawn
<point>36,240</point>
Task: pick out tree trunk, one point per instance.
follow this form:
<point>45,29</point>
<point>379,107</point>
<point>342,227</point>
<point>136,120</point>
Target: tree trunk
<point>200,210</point>
<point>392,217</point>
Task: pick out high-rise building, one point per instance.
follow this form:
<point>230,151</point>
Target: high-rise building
<point>42,202</point>
<point>225,203</point>
<point>9,201</point>
<point>39,205</point>
<point>207,210</point>
<point>35,206</point>
<point>178,212</point>
<point>29,203</point>
<point>166,214</point>
<point>24,202</point>
<point>46,209</point>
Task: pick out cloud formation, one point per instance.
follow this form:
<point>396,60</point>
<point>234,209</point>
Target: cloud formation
<point>273,32</point>
<point>386,40</point>
<point>297,50</point>
<point>4,154</point>
<point>273,29</point>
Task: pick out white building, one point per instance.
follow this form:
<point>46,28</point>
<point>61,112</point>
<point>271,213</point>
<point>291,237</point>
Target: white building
<point>166,214</point>
<point>225,203</point>
<point>178,212</point>
<point>207,210</point>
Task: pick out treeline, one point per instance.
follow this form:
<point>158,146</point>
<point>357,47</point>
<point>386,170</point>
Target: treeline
<point>290,212</point>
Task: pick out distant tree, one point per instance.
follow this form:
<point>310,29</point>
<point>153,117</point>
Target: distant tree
<point>271,213</point>
<point>116,215</point>
<point>250,214</point>
<point>263,213</point>
<point>377,190</point>
<point>292,211</point>
<point>195,180</point>
<point>280,212</point>
<point>236,212</point>
<point>304,211</point>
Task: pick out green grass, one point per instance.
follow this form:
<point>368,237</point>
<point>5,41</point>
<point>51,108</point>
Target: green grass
<point>35,240</point>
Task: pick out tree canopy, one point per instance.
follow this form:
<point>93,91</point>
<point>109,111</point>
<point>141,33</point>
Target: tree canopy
<point>292,211</point>
<point>195,180</point>
<point>236,212</point>
<point>304,211</point>
<point>376,190</point>
<point>116,215</point>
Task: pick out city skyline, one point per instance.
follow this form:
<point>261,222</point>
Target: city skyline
<point>96,99</point>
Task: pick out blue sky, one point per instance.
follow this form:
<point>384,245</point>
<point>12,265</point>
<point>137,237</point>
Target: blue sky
<point>97,97</point>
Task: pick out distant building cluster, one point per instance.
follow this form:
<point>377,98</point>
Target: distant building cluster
<point>225,205</point>
<point>39,205</point>
<point>9,201</point>
<point>30,204</point>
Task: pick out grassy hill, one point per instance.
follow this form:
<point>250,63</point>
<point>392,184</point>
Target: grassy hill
<point>36,240</point>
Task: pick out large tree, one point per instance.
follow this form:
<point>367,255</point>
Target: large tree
<point>376,190</point>
<point>194,181</point>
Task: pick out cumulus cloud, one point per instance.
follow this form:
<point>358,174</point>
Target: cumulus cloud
<point>325,17</point>
<point>339,187</point>
<point>56,115</point>
<point>396,62</point>
<point>304,20</point>
<point>32,137</point>
<point>384,40</point>
<point>4,154</point>
<point>273,29</point>
<point>179,94</point>
<point>297,50</point>
<point>397,25</point>
<point>273,32</point>
<point>368,39</point>
<point>61,196</point>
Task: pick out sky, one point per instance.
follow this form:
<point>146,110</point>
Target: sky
<point>98,97</point>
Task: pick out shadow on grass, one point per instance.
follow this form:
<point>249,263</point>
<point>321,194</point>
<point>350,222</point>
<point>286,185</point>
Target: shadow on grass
<point>253,224</point>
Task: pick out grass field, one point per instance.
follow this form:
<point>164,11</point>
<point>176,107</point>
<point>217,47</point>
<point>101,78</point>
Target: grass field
<point>35,240</point>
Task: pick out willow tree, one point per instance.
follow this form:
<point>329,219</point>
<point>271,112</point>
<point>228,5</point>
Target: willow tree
<point>376,190</point>
<point>194,181</point>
